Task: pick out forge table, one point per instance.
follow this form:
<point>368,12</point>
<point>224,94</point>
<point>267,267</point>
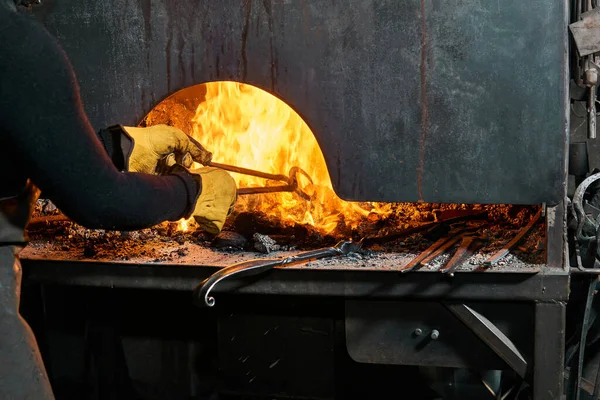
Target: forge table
<point>511,320</point>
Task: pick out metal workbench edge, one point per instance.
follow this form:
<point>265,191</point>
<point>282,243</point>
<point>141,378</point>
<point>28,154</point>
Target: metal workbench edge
<point>549,285</point>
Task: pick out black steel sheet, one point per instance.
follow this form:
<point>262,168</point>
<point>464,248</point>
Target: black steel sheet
<point>460,101</point>
<point>548,285</point>
<point>375,334</point>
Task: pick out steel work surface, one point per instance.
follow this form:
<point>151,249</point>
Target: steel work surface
<point>454,102</point>
<point>334,277</point>
<point>188,253</point>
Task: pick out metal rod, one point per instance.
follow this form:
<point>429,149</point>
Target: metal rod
<point>291,180</point>
<point>584,271</point>
<point>508,247</point>
<point>464,251</point>
<point>582,340</point>
<point>442,249</point>
<point>415,262</point>
<point>265,189</point>
<point>495,339</point>
<point>430,251</point>
<point>251,172</point>
<point>592,113</point>
<point>596,394</point>
<point>443,218</point>
<point>240,170</point>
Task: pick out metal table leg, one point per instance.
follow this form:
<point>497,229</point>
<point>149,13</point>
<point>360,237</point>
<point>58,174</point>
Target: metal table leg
<point>549,350</point>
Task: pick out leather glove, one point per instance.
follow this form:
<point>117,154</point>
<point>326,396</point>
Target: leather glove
<point>216,200</point>
<point>162,144</point>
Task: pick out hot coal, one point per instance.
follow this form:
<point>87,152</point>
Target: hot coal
<point>258,235</point>
<point>230,240</point>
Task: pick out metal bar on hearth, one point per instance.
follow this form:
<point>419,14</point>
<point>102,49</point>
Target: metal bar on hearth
<point>491,336</point>
<point>441,250</point>
<point>416,262</point>
<point>466,249</point>
<point>505,250</point>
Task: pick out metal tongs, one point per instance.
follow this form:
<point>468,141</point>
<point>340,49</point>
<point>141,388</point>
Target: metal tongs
<point>291,181</point>
<point>259,266</point>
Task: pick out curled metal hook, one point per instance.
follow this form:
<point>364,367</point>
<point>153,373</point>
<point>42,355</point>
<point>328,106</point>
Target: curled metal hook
<point>579,212</point>
<point>255,267</point>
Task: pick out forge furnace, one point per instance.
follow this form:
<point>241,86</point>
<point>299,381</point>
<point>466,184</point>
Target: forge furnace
<point>416,101</point>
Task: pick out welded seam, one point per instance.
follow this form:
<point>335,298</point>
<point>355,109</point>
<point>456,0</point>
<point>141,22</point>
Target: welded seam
<point>424,111</point>
<point>248,8</point>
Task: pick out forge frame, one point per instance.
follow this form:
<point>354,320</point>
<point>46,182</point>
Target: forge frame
<point>316,61</point>
<point>539,297</point>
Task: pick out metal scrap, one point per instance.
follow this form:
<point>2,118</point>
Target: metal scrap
<point>586,32</point>
<point>437,248</point>
<point>416,262</point>
<point>264,244</point>
<point>466,249</point>
<point>505,250</point>
<point>442,249</point>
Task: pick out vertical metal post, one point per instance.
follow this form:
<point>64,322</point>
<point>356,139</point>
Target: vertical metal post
<point>592,112</point>
<point>549,347</point>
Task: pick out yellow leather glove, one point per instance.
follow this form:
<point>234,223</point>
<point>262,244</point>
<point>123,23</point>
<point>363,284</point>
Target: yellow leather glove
<point>216,200</point>
<point>162,143</point>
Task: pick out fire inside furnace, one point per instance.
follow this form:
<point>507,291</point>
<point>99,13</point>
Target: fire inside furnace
<point>245,126</point>
<point>248,127</point>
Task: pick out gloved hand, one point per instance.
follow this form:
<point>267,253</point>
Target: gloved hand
<point>216,200</point>
<point>162,143</point>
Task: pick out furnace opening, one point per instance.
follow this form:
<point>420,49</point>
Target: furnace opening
<point>247,127</point>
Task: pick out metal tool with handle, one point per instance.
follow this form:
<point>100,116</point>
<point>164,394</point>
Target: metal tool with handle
<point>291,180</point>
<point>255,267</point>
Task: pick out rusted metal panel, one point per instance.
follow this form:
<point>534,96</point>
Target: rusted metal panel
<point>427,100</point>
<point>586,33</point>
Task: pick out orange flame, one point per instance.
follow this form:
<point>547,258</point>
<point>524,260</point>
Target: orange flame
<point>248,127</point>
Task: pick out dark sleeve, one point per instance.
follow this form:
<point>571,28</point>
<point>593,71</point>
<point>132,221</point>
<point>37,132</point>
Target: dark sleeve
<point>117,144</point>
<point>41,111</point>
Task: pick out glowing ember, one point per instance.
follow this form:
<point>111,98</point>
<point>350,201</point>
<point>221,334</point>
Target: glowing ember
<point>183,225</point>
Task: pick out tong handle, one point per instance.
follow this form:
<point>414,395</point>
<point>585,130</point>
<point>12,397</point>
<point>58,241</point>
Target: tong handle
<point>251,172</point>
<point>292,183</point>
<point>240,170</point>
<point>266,189</point>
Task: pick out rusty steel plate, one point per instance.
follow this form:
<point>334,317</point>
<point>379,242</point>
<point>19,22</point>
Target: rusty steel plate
<point>416,100</point>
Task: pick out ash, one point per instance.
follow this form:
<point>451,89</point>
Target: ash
<point>248,236</point>
<point>265,244</point>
